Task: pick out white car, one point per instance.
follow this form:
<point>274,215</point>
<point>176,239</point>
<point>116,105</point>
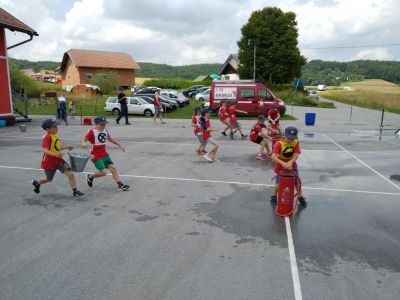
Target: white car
<point>136,106</point>
<point>203,96</point>
<point>313,94</point>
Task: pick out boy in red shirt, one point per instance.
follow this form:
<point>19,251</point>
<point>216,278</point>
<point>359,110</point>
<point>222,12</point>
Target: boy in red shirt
<point>52,159</point>
<point>259,137</point>
<point>274,133</point>
<point>233,120</point>
<point>285,153</point>
<point>207,138</point>
<point>273,115</point>
<point>224,118</point>
<point>100,158</point>
<point>197,132</point>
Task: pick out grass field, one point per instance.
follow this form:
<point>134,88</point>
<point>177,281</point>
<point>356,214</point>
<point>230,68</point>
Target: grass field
<point>141,80</point>
<point>370,93</point>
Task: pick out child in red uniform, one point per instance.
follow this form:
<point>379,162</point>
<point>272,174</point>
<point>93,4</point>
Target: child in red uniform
<point>274,133</point>
<point>197,132</point>
<point>224,118</point>
<point>273,115</point>
<point>259,137</point>
<point>100,158</point>
<point>207,138</point>
<point>233,120</point>
<point>285,153</point>
<point>52,159</point>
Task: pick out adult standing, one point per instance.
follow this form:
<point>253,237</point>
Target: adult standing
<point>62,109</point>
<point>158,109</point>
<point>124,107</point>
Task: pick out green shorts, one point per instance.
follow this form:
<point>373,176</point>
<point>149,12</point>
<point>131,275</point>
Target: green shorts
<point>103,163</point>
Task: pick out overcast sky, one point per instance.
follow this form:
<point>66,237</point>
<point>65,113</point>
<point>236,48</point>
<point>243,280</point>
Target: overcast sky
<point>188,32</point>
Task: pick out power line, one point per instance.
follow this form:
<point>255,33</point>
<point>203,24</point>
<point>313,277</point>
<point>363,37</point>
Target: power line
<point>348,47</point>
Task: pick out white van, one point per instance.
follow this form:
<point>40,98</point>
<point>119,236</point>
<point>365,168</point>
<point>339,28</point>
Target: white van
<point>321,87</point>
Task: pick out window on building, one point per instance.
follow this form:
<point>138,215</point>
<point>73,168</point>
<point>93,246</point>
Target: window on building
<point>246,93</point>
<point>89,75</point>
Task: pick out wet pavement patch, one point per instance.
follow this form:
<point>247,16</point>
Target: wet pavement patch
<point>395,177</point>
<point>146,218</point>
<point>247,213</point>
<point>356,228</point>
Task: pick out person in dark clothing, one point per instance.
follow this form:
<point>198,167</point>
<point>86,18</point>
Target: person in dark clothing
<point>124,108</point>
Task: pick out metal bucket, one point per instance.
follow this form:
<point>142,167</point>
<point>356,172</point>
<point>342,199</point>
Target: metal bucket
<point>22,128</point>
<point>78,161</point>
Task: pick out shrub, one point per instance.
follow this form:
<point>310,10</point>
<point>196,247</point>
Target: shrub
<point>107,81</point>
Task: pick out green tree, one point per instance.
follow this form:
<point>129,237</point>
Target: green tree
<point>107,81</point>
<point>274,34</point>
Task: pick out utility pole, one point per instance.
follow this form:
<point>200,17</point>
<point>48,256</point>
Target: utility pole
<point>254,68</point>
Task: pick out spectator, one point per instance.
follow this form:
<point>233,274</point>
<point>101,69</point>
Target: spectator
<point>158,109</point>
<point>62,107</point>
<point>124,107</point>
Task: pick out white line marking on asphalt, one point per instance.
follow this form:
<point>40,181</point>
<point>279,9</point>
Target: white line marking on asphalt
<point>194,145</point>
<point>219,181</point>
<point>363,163</point>
<point>293,262</point>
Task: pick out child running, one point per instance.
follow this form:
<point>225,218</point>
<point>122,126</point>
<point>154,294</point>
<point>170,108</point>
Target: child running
<point>200,150</point>
<point>100,158</point>
<point>259,137</point>
<point>207,138</point>
<point>224,118</point>
<point>52,159</point>
<point>285,153</point>
<point>234,122</point>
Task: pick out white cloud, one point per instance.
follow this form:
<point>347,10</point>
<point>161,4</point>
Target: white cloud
<point>375,54</point>
<point>179,32</point>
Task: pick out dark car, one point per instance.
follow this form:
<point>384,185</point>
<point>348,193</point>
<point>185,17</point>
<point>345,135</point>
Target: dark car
<point>163,99</point>
<point>146,90</point>
<point>191,89</point>
<point>150,100</point>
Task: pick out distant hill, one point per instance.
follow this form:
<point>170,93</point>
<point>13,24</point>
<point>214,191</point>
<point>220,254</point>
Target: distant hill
<point>36,65</point>
<point>189,72</point>
<point>334,73</point>
<point>147,69</point>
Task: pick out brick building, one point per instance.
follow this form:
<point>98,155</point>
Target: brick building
<point>79,66</point>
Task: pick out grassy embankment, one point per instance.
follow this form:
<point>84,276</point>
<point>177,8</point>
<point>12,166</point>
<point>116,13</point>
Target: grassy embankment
<point>369,93</point>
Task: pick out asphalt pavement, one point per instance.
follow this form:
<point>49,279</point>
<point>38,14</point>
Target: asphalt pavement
<point>190,229</point>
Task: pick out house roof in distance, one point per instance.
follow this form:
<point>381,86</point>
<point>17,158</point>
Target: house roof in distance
<point>233,60</point>
<point>99,59</point>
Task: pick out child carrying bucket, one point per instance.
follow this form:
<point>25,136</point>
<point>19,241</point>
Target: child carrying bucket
<point>97,137</point>
<point>53,159</point>
<point>284,154</point>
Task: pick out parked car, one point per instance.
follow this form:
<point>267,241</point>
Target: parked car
<point>146,90</point>
<point>250,96</point>
<point>163,99</point>
<point>321,87</point>
<point>203,96</point>
<point>191,89</point>
<point>174,95</point>
<point>195,92</point>
<point>136,105</point>
<point>150,100</point>
<point>313,94</point>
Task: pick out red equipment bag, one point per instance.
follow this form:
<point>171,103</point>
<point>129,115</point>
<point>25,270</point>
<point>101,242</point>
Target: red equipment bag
<point>87,121</point>
<point>288,193</point>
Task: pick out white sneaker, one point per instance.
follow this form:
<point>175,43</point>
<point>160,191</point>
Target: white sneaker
<point>208,157</point>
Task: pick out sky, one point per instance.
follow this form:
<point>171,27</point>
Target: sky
<point>180,32</point>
